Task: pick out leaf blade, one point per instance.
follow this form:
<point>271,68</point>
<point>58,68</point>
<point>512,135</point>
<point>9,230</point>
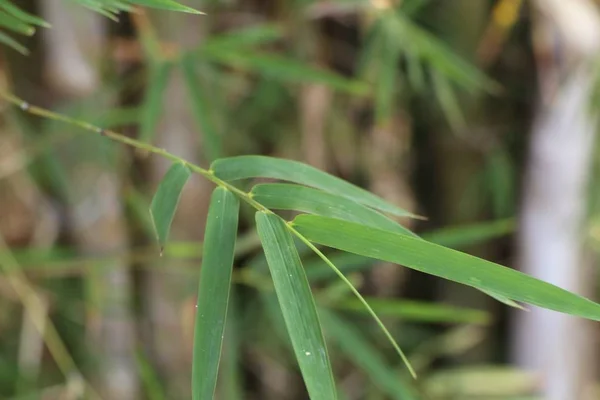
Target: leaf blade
<point>165,200</point>
<point>242,167</point>
<point>297,305</point>
<point>213,292</point>
<point>446,263</point>
<point>153,101</point>
<point>282,196</point>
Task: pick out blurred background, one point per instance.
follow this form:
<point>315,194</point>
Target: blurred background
<point>478,114</point>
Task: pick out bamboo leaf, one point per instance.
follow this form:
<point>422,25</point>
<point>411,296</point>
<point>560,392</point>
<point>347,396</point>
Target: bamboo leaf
<point>297,305</point>
<point>22,15</point>
<point>365,356</point>
<point>201,106</point>
<point>213,293</point>
<point>244,37</point>
<point>166,198</point>
<point>283,68</point>
<point>242,167</point>
<point>443,262</point>
<point>466,235</point>
<point>166,5</point>
<point>281,196</point>
<point>152,107</point>
<point>12,43</point>
<point>408,310</point>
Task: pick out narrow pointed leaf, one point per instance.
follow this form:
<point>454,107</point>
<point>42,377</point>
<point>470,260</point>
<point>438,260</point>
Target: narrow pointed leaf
<point>22,15</point>
<point>166,5</point>
<point>282,68</point>
<point>201,106</point>
<point>281,196</point>
<point>443,262</point>
<point>409,310</point>
<point>164,203</point>
<point>245,37</point>
<point>213,294</point>
<point>365,356</point>
<point>504,299</point>
<point>153,101</point>
<point>297,306</point>
<point>242,167</point>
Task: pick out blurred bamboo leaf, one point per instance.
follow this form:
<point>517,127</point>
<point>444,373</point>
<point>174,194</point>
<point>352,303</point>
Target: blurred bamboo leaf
<point>281,196</point>
<point>242,167</point>
<point>202,109</point>
<point>12,43</point>
<point>468,235</point>
<point>153,101</point>
<point>231,382</point>
<point>165,5</point>
<point>365,356</point>
<point>483,381</point>
<point>297,305</point>
<point>279,67</point>
<point>443,262</point>
<point>241,38</point>
<point>317,270</point>
<point>21,15</point>
<point>16,25</point>
<point>164,203</point>
<point>213,292</point>
<point>416,311</point>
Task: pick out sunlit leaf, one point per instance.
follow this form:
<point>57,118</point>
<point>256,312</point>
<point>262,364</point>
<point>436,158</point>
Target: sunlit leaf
<point>443,262</point>
<point>213,293</point>
<point>164,203</point>
<point>297,305</point>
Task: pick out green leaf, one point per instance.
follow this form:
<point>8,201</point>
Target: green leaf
<point>201,106</point>
<point>166,198</point>
<point>12,43</point>
<point>281,196</point>
<point>318,270</point>
<point>153,101</point>
<point>297,305</point>
<point>22,15</point>
<point>365,356</point>
<point>504,299</point>
<point>443,262</point>
<point>14,24</point>
<point>166,5</point>
<point>242,167</point>
<point>283,68</point>
<point>466,235</point>
<point>244,37</point>
<point>408,310</point>
<point>213,294</point>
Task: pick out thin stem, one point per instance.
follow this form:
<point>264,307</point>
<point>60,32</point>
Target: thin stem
<point>117,137</point>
